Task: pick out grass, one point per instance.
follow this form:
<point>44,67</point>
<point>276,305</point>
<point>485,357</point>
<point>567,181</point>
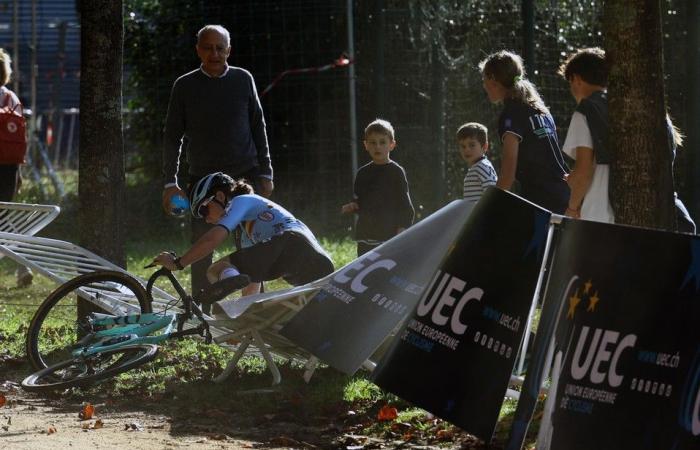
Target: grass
<point>180,376</point>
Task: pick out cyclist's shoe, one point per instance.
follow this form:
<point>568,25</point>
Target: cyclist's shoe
<point>221,289</point>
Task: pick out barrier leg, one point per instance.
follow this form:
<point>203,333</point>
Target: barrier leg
<point>271,365</point>
<point>233,362</point>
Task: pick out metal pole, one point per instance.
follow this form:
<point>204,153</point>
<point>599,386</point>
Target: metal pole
<point>351,87</point>
<point>693,109</point>
<point>437,125</point>
<point>15,46</point>
<point>528,12</point>
<point>379,80</point>
<point>32,72</point>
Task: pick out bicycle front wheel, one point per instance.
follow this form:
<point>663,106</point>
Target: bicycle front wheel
<point>84,371</point>
<point>59,324</point>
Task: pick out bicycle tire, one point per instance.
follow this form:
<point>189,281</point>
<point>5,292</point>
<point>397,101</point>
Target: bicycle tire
<point>50,336</point>
<point>51,378</point>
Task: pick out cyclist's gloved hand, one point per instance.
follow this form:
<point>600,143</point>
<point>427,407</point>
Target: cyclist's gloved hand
<point>169,260</point>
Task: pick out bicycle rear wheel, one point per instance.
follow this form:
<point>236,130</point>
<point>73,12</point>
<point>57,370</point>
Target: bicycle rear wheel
<point>83,371</point>
<point>57,326</point>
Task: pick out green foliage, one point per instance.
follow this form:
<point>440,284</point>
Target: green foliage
<point>361,390</point>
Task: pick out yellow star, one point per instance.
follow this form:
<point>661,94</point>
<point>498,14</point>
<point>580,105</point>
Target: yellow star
<point>593,301</point>
<point>587,286</point>
<point>574,300</point>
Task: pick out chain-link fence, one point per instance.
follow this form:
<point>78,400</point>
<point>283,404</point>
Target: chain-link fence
<point>415,65</point>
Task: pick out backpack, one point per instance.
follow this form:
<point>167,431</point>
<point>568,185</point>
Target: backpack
<point>13,133</point>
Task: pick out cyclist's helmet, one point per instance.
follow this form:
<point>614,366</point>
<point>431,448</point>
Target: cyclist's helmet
<point>205,188</point>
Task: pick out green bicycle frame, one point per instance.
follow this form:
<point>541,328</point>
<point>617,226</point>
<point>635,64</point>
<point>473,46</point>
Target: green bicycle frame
<point>134,328</point>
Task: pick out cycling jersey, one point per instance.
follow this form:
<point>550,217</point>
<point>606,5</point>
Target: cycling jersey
<point>259,219</point>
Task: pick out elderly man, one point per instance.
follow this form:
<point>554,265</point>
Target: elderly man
<point>215,115</point>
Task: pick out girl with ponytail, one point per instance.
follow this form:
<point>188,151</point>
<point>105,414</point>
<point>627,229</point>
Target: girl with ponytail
<point>530,148</point>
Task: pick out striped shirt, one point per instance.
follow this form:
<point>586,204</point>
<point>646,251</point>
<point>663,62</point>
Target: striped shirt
<point>479,176</point>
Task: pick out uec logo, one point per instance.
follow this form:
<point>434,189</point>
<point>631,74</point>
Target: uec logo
<point>11,127</point>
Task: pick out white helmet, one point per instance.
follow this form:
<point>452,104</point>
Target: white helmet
<point>205,188</point>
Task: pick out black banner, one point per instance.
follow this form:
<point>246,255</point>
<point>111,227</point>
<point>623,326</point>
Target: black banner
<point>345,323</point>
<point>456,352</point>
<point>627,341</point>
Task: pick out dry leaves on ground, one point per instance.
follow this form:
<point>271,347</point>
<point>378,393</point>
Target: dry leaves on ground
<point>86,412</point>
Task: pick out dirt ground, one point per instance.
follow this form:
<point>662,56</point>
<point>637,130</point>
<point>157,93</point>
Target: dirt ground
<point>51,421</point>
<point>32,422</point>
<point>37,422</point>
<point>187,415</point>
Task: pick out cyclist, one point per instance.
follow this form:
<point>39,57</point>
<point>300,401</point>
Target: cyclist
<point>273,244</point>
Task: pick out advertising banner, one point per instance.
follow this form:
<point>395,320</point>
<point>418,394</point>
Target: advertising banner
<point>456,351</point>
<point>626,369</point>
<point>352,315</point>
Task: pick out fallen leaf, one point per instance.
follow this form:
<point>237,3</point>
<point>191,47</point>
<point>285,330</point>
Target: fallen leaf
<point>400,427</point>
<point>387,413</point>
<point>3,399</point>
<point>51,430</point>
<point>86,426</point>
<point>86,412</point>
<point>98,424</point>
<point>445,435</point>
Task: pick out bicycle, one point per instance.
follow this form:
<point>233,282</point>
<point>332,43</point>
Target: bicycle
<point>109,344</point>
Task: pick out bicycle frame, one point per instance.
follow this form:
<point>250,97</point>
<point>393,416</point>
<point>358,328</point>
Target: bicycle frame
<point>135,329</point>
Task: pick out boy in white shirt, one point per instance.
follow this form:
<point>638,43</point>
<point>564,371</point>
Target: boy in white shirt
<point>587,138</point>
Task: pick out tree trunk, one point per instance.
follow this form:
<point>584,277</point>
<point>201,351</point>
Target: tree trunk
<point>641,176</point>
<point>101,176</point>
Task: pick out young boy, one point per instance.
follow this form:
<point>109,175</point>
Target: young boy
<point>381,199</point>
<point>587,138</point>
<point>472,139</point>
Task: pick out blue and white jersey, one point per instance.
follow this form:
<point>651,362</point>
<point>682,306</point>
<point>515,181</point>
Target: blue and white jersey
<point>260,219</point>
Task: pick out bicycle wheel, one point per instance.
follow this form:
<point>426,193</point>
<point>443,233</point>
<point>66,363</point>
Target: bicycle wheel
<point>57,325</point>
<point>85,371</point>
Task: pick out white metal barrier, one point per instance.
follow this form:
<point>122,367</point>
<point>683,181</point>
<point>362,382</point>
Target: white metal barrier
<point>26,219</point>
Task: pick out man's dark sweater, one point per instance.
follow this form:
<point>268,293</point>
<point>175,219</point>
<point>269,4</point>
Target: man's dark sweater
<point>222,122</point>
